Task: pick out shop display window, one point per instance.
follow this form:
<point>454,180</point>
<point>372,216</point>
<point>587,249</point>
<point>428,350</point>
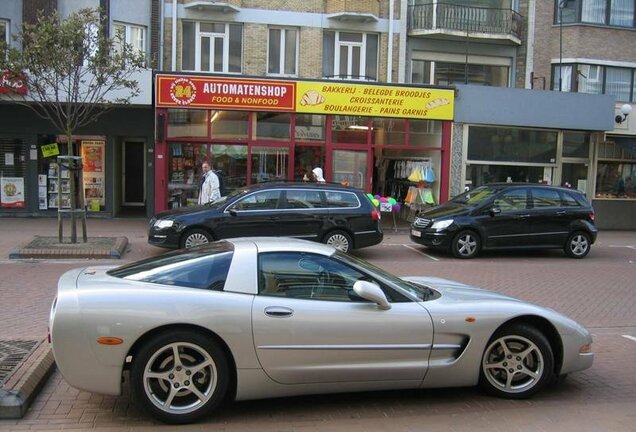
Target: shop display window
<point>425,133</point>
<point>512,145</point>
<point>478,174</point>
<point>231,160</point>
<point>187,123</point>
<point>389,131</point>
<point>229,124</point>
<point>616,180</point>
<point>576,144</point>
<point>306,158</point>
<point>310,127</point>
<point>350,129</point>
<point>269,164</point>
<point>273,126</point>
<point>13,172</point>
<point>350,167</point>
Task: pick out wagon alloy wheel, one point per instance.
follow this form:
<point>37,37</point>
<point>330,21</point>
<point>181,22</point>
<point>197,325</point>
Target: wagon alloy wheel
<point>340,240</point>
<point>179,379</point>
<point>466,244</point>
<point>195,238</point>
<point>517,363</point>
<point>578,245</point>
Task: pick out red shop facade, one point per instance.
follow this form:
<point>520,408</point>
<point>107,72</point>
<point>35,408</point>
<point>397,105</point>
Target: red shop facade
<point>378,138</point>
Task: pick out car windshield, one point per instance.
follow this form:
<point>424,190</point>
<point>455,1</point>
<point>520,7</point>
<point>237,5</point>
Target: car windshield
<point>475,197</point>
<point>421,292</point>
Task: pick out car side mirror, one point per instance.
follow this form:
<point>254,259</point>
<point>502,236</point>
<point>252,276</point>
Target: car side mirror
<point>494,211</point>
<point>232,212</point>
<point>372,292</point>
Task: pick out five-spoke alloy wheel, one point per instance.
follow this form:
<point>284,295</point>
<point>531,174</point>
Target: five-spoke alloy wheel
<point>466,244</point>
<point>578,245</point>
<point>179,376</point>
<point>517,363</point>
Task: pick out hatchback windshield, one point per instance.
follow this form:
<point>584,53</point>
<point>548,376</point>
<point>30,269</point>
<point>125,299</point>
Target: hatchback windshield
<point>475,196</point>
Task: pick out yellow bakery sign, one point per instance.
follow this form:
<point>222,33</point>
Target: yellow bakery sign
<point>381,101</point>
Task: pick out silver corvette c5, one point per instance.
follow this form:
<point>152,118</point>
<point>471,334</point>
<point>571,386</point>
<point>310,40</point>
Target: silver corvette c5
<point>267,317</point>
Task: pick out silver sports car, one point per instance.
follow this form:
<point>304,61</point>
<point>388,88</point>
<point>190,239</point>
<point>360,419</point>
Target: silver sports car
<point>267,317</point>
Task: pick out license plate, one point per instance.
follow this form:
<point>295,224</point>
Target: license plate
<point>416,233</point>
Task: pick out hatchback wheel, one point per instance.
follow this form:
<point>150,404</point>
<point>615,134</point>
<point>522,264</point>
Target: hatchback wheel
<point>179,376</point>
<point>466,244</point>
<point>517,363</point>
<point>578,245</point>
<point>195,237</point>
<point>339,239</point>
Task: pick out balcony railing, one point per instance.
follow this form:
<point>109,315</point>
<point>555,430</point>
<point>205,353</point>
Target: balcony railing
<point>457,18</point>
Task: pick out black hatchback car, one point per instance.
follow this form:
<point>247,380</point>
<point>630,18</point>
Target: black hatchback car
<point>507,216</point>
<point>328,213</point>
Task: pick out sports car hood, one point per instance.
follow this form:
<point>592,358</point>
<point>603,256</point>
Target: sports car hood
<point>457,291</point>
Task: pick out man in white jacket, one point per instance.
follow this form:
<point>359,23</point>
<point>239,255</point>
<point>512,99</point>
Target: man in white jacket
<point>210,188</point>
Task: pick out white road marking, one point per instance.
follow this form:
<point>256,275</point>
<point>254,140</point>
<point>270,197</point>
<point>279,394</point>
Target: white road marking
<point>632,338</point>
<point>623,246</point>
<point>420,252</point>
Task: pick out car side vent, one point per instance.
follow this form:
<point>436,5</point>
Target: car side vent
<point>421,222</point>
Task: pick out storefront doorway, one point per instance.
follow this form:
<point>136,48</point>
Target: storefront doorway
<point>133,174</point>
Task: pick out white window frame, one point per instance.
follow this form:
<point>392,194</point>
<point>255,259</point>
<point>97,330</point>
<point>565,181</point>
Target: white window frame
<point>225,36</point>
<point>128,34</point>
<point>282,41</point>
<point>361,73</point>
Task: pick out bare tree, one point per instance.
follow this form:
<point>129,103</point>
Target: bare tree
<point>74,73</point>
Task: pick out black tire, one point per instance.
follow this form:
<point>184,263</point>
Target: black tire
<point>182,380</point>
<point>578,245</point>
<point>195,237</point>
<point>507,374</point>
<point>340,240</point>
<point>466,244</point>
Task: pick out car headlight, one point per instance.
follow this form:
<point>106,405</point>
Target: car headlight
<point>164,223</point>
<point>440,225</point>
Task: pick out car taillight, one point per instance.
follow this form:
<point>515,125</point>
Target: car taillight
<point>591,216</point>
<point>375,215</point>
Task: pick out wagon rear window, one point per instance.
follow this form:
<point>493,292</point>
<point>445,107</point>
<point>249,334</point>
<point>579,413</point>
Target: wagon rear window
<point>204,267</point>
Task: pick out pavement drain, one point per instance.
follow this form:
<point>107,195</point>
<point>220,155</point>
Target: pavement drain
<point>12,353</point>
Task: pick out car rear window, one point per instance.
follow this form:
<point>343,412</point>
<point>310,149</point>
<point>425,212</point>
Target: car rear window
<point>542,198</point>
<point>341,199</point>
<point>204,267</point>
<point>569,200</point>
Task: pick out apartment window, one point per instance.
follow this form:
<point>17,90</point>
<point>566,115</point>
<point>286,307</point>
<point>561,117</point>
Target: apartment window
<point>596,79</point>
<point>350,55</point>
<point>619,13</point>
<point>130,34</point>
<point>448,73</point>
<point>282,51</point>
<point>4,31</point>
<point>212,47</point>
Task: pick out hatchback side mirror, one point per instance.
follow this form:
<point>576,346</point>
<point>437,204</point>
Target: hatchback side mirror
<point>372,292</point>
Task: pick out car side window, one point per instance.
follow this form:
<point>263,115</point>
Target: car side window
<point>307,276</point>
<point>512,200</point>
<point>263,200</point>
<point>342,199</point>
<point>545,198</point>
<point>568,200</point>
<point>302,198</point>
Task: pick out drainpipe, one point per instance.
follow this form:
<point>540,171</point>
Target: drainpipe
<point>402,44</point>
<point>530,49</point>
<point>389,72</point>
<point>161,34</point>
<point>174,35</point>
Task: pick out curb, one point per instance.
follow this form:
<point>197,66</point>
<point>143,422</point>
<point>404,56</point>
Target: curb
<point>116,252</point>
<point>25,383</point>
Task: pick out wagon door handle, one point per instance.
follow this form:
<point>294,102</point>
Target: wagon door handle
<point>278,311</point>
<point>524,216</point>
<point>561,213</point>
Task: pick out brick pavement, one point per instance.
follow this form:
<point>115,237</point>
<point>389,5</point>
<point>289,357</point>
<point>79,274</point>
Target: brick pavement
<point>597,291</point>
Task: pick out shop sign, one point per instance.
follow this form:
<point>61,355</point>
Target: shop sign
<point>378,101</point>
<point>12,192</point>
<point>224,93</point>
<point>12,83</point>
<point>49,150</point>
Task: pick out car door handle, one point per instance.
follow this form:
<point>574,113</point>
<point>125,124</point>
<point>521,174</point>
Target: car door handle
<point>561,213</point>
<point>524,216</point>
<point>278,311</point>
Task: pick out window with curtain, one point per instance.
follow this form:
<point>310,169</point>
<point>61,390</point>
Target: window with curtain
<point>282,49</point>
<point>597,79</point>
<point>618,82</point>
<point>211,47</point>
<point>622,13</point>
<point>618,13</point>
<point>593,11</point>
<point>348,55</point>
<point>563,74</point>
<point>590,79</point>
<point>129,34</point>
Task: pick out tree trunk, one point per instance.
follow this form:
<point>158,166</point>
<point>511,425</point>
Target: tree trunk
<point>72,186</point>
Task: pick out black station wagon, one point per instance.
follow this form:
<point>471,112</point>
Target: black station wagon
<point>507,216</point>
<point>328,213</point>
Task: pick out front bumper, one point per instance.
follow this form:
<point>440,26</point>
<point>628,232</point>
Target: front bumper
<point>430,238</point>
<point>165,238</point>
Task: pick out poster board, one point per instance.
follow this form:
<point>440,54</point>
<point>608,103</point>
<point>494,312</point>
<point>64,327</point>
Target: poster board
<point>12,192</point>
<point>93,159</point>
